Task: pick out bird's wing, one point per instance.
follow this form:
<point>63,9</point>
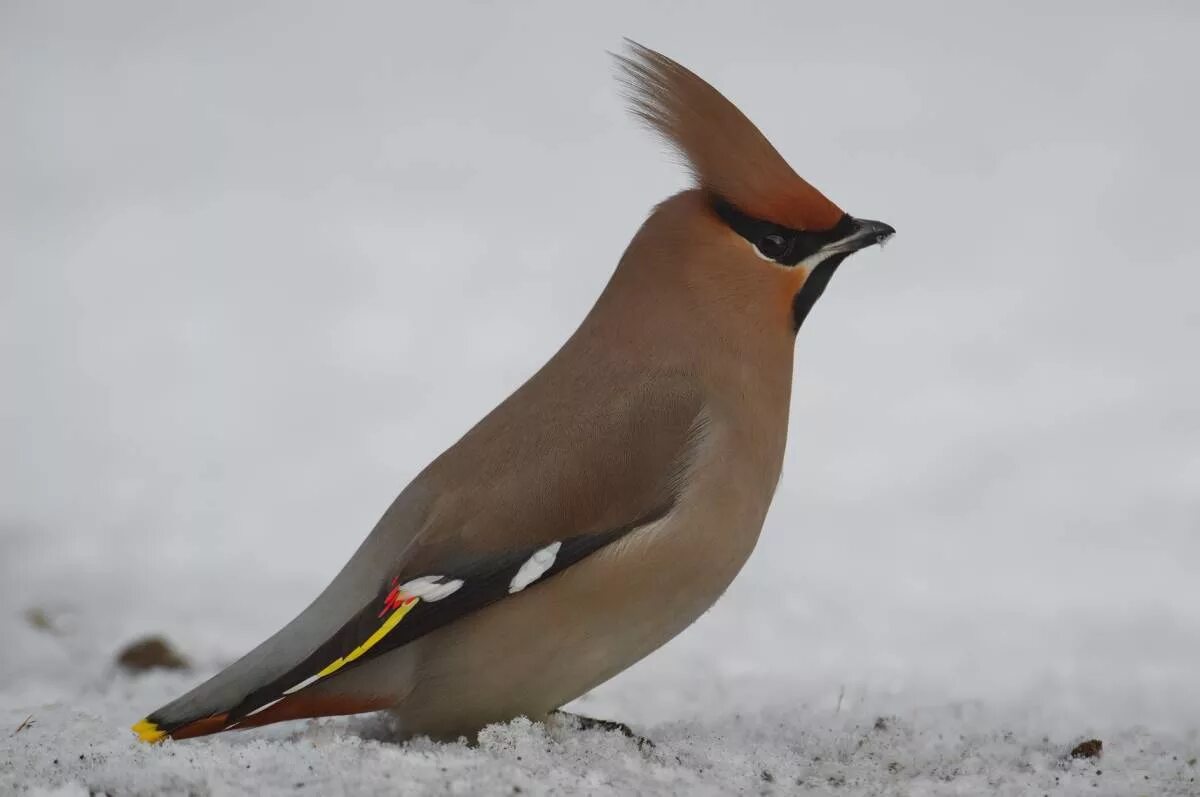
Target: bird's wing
<point>516,501</point>
<point>403,612</point>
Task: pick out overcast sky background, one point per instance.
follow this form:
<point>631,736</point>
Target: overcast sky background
<point>260,263</point>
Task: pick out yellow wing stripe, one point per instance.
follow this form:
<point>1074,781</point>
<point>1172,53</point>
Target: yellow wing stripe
<point>147,731</point>
<point>393,620</point>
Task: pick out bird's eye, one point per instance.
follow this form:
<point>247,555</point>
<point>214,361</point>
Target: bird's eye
<point>772,246</point>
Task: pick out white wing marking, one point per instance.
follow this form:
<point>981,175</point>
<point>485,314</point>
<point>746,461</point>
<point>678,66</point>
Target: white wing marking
<point>541,561</point>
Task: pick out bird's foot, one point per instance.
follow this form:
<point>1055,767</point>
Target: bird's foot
<point>592,724</point>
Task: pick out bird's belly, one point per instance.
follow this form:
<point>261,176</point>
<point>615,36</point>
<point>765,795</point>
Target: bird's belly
<point>533,652</point>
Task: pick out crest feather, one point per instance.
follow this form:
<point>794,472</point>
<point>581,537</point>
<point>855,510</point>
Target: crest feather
<point>724,151</point>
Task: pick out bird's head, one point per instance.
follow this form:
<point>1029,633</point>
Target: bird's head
<point>768,224</point>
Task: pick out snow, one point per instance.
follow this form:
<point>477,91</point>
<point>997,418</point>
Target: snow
<point>258,265</point>
<point>945,751</point>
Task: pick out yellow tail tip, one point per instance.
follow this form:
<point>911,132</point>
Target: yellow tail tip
<point>147,731</point>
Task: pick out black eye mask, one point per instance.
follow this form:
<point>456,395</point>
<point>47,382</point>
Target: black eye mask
<point>785,246</point>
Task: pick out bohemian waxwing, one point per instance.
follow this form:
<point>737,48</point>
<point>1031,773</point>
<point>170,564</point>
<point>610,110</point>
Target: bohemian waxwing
<point>609,501</point>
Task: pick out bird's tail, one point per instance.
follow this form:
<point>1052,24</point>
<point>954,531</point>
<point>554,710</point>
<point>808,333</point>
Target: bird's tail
<point>158,726</point>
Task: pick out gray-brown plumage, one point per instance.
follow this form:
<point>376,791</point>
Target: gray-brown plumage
<point>605,504</point>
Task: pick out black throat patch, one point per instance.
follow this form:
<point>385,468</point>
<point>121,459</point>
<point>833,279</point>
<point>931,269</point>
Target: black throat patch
<point>813,287</point>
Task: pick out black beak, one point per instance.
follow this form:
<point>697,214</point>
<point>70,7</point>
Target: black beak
<point>869,233</point>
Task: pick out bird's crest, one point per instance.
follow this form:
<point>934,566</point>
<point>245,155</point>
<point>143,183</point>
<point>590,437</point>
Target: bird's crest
<point>725,152</point>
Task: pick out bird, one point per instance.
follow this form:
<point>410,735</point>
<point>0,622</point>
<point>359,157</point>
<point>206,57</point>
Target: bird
<point>606,503</point>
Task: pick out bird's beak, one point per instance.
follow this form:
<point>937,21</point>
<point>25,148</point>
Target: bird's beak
<point>866,233</point>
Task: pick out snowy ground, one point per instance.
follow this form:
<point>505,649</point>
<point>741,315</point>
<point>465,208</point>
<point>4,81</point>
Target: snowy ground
<point>259,264</point>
